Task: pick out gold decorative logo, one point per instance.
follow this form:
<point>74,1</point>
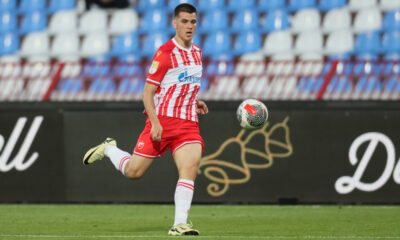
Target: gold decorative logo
<point>223,173</point>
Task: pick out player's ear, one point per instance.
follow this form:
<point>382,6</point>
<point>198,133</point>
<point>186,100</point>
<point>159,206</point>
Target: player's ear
<point>174,23</point>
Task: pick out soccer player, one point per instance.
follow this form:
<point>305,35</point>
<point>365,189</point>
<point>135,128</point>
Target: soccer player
<point>171,104</point>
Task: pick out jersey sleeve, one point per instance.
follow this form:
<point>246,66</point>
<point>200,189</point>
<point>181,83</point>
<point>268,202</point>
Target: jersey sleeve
<point>158,68</point>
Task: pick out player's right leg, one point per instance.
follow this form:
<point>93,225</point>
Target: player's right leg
<point>131,166</point>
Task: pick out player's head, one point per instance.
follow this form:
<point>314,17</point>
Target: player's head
<point>185,21</point>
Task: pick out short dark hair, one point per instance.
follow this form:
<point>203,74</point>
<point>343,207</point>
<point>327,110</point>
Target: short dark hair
<point>184,7</point>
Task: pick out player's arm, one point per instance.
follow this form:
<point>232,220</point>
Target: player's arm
<point>148,102</point>
<point>202,107</point>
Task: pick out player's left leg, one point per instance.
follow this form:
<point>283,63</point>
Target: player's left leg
<point>187,159</point>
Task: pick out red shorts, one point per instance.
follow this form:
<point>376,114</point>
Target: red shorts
<point>176,133</point>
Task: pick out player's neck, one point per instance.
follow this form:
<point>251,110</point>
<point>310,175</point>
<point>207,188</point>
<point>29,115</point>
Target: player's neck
<point>187,45</point>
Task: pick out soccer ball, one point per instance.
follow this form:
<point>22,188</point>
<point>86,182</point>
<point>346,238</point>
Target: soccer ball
<point>252,114</point>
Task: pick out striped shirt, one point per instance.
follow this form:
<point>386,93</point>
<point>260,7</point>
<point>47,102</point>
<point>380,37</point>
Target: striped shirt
<point>177,71</point>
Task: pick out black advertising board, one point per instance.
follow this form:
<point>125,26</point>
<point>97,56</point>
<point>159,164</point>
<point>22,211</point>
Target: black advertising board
<point>307,153</point>
<point>31,156</point>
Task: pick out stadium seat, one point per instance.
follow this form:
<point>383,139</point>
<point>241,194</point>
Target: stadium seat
<point>130,85</point>
<point>154,20</point>
<point>61,5</point>
<point>213,20</point>
<point>93,21</point>
<point>275,20</point>
<point>392,85</point>
<point>369,19</point>
<point>9,43</point>
<point>278,42</point>
<point>173,3</point>
<point>95,44</point>
<point>389,4</point>
<point>309,42</point>
<point>125,44</point>
<point>362,4</point>
<point>391,42</point>
<point>8,5</point>
<point>123,21</point>
<point>337,19</point>
<point>31,6</point>
<point>339,85</point>
<point>35,44</point>
<point>311,64</point>
<point>339,42</point>
<point>33,22</point>
<point>152,42</point>
<point>102,85</point>
<point>306,20</point>
<point>70,85</point>
<point>126,68</point>
<point>217,43</point>
<point>65,46</point>
<point>390,65</point>
<point>246,19</point>
<point>368,42</point>
<point>365,64</point>
<point>96,68</point>
<point>145,5</point>
<point>391,21</point>
<point>326,5</point>
<point>37,67</point>
<point>368,85</point>
<point>63,21</point>
<point>206,5</point>
<point>237,5</point>
<point>296,5</point>
<point>8,22</point>
<point>247,42</point>
<point>221,64</point>
<point>269,5</point>
<point>309,85</point>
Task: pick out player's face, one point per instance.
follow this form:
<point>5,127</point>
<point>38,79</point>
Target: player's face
<point>185,26</point>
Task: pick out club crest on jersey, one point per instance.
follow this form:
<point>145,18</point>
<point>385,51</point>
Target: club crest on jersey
<point>154,66</point>
<point>183,77</point>
<point>141,145</point>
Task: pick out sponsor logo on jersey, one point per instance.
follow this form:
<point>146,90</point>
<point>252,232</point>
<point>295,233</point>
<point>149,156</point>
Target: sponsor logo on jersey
<point>141,145</point>
<point>183,77</point>
<point>154,67</point>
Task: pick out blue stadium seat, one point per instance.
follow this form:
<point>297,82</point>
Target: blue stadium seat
<point>237,5</point>
<point>204,85</point>
<point>9,43</point>
<point>269,5</point>
<point>154,20</point>
<point>8,5</point>
<point>246,19</point>
<point>131,85</point>
<point>124,69</point>
<point>212,20</point>
<point>60,5</point>
<point>340,84</point>
<point>96,68</point>
<point>32,6</point>
<point>102,85</point>
<point>70,85</point>
<point>366,64</point>
<point>391,42</point>
<point>390,65</point>
<point>295,5</point>
<point>217,43</point>
<point>33,22</point>
<point>326,5</point>
<point>368,42</point>
<point>8,22</point>
<point>152,42</point>
<point>220,64</point>
<point>276,20</point>
<point>205,5</point>
<point>145,5</point>
<point>173,3</point>
<point>391,21</point>
<point>344,64</point>
<point>310,84</point>
<point>247,42</point>
<point>368,84</point>
<point>125,44</point>
<point>392,84</point>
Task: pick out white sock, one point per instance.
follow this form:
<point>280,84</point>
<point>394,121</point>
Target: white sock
<point>183,200</point>
<point>118,157</point>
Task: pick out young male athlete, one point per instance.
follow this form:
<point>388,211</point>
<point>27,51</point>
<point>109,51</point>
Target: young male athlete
<point>171,104</point>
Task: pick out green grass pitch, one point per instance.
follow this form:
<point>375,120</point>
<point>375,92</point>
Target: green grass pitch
<point>132,221</point>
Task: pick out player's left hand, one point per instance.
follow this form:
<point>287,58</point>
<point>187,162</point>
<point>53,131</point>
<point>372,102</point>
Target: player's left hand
<point>202,108</point>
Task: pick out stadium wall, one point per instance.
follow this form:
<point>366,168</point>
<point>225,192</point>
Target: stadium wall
<point>309,152</point>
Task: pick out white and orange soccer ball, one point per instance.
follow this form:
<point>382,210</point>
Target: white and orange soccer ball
<point>252,114</point>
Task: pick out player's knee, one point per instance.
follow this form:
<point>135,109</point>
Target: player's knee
<point>133,174</point>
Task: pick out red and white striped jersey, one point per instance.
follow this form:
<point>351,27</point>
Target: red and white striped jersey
<point>177,71</point>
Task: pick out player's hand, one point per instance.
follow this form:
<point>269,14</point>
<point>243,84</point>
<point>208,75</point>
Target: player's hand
<point>156,132</point>
<point>202,108</point>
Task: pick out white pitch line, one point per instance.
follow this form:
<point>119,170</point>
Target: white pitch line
<point>205,237</point>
